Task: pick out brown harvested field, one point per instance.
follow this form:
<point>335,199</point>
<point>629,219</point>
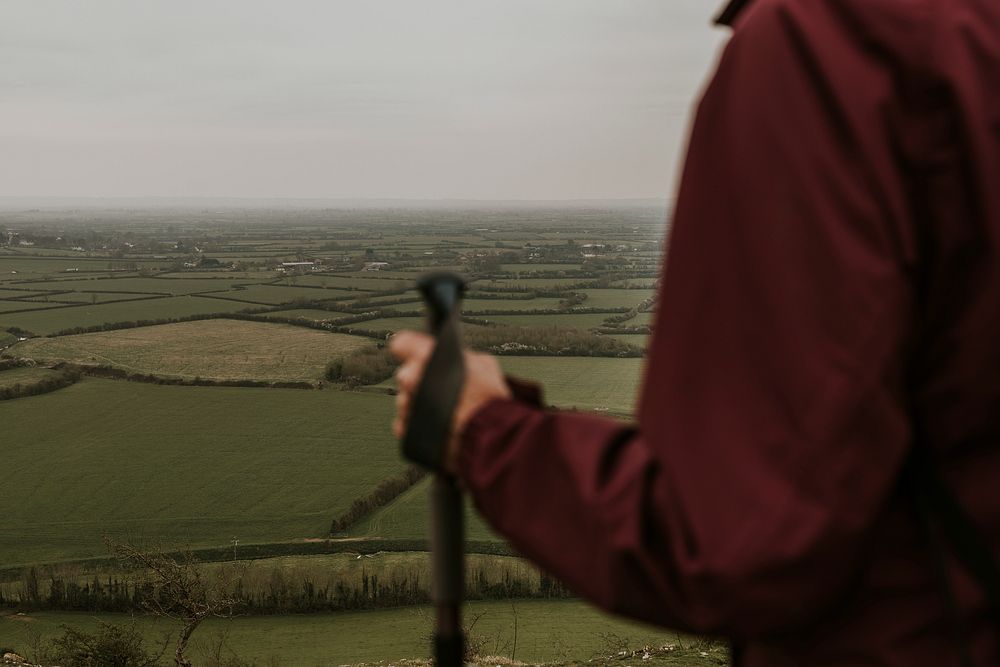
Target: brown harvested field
<point>208,349</point>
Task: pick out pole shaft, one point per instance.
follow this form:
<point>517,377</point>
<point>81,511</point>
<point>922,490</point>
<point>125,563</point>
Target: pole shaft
<point>447,544</point>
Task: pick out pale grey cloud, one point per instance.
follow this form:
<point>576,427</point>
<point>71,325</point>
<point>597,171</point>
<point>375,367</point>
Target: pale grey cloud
<point>378,98</point>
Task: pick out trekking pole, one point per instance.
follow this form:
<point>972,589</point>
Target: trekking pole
<point>426,443</point>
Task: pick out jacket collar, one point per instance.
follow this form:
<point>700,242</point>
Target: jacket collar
<point>731,10</point>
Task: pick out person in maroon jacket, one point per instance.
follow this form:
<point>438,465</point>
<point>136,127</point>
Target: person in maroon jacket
<point>830,299</point>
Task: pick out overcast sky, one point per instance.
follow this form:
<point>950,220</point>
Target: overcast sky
<point>479,99</point>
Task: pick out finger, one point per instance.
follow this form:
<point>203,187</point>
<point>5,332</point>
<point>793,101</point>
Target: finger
<point>403,403</point>
<point>402,417</point>
<point>408,376</point>
<point>411,345</point>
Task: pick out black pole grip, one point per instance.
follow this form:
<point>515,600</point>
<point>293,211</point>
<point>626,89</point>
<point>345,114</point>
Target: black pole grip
<point>433,404</point>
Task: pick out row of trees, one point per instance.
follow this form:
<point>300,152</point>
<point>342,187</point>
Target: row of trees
<point>179,586</point>
<point>121,374</point>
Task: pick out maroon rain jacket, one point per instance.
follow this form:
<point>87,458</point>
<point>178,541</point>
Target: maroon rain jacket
<point>831,293</point>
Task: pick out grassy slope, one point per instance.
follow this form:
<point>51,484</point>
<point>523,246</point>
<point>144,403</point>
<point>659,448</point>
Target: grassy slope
<point>191,465</point>
<point>547,631</point>
<point>45,322</point>
<point>215,349</point>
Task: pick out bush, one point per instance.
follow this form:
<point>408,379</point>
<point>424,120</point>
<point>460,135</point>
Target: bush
<point>369,365</point>
<point>108,646</point>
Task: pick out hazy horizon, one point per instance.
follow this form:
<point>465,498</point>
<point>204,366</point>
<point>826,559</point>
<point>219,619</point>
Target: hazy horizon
<point>13,203</point>
<point>442,101</point>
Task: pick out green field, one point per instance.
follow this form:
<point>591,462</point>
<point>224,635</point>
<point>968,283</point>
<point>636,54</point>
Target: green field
<point>144,285</point>
<point>250,276</point>
<point>513,305</point>
<point>278,294</point>
<point>24,376</point>
<point>7,338</point>
<point>209,349</point>
<point>367,282</point>
<point>188,465</point>
<point>585,383</point>
<point>30,268</point>
<point>535,268</point>
<point>18,294</point>
<point>557,630</point>
<point>308,314</point>
<point>410,296</point>
<point>46,322</point>
<point>598,384</point>
<point>571,320</point>
<point>14,306</point>
<point>615,298</point>
<point>392,324</point>
<point>87,297</point>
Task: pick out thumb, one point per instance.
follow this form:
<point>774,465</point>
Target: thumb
<point>409,346</point>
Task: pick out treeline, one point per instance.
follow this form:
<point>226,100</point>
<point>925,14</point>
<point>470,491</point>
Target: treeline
<point>62,378</point>
<point>383,494</point>
<point>638,329</point>
<point>280,590</point>
<point>120,374</point>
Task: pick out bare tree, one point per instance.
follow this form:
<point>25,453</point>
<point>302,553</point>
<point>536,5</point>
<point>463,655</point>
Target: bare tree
<point>181,588</point>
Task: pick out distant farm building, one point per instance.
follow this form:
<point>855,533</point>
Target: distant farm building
<point>375,266</point>
<point>298,266</point>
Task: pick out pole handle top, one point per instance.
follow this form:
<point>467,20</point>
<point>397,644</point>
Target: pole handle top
<point>442,292</point>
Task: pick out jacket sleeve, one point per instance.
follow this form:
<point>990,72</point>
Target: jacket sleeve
<point>772,423</point>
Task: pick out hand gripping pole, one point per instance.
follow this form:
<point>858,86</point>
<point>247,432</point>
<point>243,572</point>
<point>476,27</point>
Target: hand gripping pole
<point>426,443</point>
